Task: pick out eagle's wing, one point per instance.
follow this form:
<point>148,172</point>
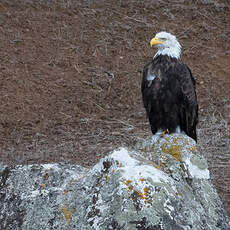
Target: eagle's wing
<point>189,108</point>
<point>151,73</point>
<point>148,77</point>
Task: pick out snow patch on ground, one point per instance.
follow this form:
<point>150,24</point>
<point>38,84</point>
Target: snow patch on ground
<point>50,166</point>
<point>132,169</point>
<point>196,172</point>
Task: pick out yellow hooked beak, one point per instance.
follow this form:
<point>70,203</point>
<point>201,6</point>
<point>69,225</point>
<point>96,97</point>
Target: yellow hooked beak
<point>155,41</point>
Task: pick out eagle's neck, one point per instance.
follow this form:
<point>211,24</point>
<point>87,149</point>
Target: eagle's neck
<point>173,51</point>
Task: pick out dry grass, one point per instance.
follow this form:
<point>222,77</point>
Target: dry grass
<point>214,143</point>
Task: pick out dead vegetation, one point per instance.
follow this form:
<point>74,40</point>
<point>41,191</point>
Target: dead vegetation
<point>71,73</point>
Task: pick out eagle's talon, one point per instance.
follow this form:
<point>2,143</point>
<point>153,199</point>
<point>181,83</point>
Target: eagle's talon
<point>164,132</point>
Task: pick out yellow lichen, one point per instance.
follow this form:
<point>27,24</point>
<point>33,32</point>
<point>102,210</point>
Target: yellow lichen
<point>146,191</point>
<point>157,166</point>
<point>167,139</point>
<point>107,178</point>
<point>163,148</point>
<point>130,187</point>
<point>67,214</point>
<point>142,179</point>
<point>175,140</point>
<point>173,150</point>
<point>127,182</point>
<point>193,148</point>
<point>140,194</point>
<point>42,186</point>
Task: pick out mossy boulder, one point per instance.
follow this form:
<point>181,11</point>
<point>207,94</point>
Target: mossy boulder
<point>158,184</point>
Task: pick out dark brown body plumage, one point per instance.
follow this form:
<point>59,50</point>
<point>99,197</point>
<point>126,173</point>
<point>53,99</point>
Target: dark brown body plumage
<point>170,98</point>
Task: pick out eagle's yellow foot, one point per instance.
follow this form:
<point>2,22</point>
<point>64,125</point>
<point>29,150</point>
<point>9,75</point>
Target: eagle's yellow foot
<point>164,132</point>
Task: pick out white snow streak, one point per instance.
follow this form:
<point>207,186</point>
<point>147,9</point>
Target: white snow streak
<point>195,171</point>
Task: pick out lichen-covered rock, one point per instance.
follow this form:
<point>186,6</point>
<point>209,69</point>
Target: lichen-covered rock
<point>160,184</point>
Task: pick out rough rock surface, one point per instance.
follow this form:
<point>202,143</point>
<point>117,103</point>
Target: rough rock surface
<point>162,183</point>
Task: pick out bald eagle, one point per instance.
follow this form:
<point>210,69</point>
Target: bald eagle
<point>168,89</point>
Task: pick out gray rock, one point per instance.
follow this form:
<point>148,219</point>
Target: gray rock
<point>162,183</point>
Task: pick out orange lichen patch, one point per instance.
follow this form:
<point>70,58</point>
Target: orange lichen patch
<point>157,166</point>
<point>175,141</point>
<point>130,187</point>
<point>142,179</point>
<point>65,192</point>
<point>120,165</point>
<point>42,186</point>
<point>140,194</point>
<point>127,182</point>
<point>193,148</point>
<point>173,150</point>
<point>107,177</point>
<point>67,214</point>
<point>146,191</point>
<point>145,195</point>
<point>117,162</point>
<point>164,148</point>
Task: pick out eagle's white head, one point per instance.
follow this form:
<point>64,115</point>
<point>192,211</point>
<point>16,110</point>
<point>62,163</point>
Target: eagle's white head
<point>167,44</point>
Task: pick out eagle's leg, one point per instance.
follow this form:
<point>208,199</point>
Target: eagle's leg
<point>164,132</point>
<point>150,82</point>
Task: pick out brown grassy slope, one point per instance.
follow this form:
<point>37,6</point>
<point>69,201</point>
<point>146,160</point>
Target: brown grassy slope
<point>71,71</point>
